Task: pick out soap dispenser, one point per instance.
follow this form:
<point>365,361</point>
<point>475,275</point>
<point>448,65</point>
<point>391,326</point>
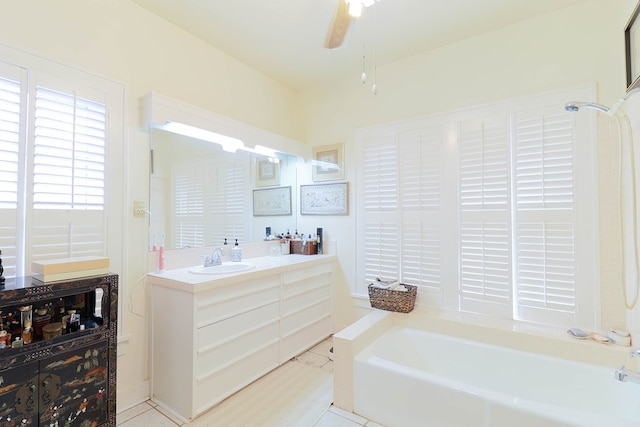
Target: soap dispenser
<point>236,253</point>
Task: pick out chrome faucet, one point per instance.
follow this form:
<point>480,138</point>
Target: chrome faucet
<point>215,258</point>
<point>624,375</point>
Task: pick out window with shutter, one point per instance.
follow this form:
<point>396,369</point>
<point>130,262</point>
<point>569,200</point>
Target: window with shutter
<point>188,206</point>
<point>545,217</point>
<point>68,176</point>
<point>484,224</point>
<point>69,151</point>
<point>11,159</point>
<point>420,207</point>
<point>229,199</point>
<point>380,237</point>
<point>206,214</point>
<point>55,124</point>
<point>511,177</point>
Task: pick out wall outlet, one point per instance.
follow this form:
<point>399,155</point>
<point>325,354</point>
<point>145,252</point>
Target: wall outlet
<point>139,209</point>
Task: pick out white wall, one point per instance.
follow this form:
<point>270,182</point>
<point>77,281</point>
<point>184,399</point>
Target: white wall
<point>115,38</point>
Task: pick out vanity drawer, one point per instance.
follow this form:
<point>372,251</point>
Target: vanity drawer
<point>303,329</point>
<point>225,343</point>
<point>234,352</point>
<point>212,389</point>
<point>234,299</point>
<point>301,276</point>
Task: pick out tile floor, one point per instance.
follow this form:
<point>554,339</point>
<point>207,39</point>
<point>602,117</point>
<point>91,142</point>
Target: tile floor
<point>300,395</point>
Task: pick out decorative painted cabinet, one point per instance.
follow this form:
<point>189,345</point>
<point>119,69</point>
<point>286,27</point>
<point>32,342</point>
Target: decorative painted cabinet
<point>212,337</point>
<point>59,376</point>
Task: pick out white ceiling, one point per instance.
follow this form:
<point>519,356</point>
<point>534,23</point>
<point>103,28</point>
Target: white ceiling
<point>284,38</point>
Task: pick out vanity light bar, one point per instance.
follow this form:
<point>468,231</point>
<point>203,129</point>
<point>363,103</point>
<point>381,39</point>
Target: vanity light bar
<point>228,143</point>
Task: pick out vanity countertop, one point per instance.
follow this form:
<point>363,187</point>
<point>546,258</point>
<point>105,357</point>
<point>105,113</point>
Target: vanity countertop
<point>182,279</point>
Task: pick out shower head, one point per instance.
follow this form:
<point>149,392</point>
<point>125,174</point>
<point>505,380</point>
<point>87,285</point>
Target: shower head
<point>576,106</point>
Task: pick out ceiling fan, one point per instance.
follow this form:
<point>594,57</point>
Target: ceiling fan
<point>346,11</point>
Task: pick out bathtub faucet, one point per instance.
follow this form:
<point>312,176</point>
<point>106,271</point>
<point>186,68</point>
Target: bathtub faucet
<point>624,375</point>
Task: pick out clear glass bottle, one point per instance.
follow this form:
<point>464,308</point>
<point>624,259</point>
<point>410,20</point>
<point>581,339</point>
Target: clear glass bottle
<point>26,323</point>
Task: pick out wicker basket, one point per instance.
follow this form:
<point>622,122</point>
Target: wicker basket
<point>309,248</point>
<point>390,300</point>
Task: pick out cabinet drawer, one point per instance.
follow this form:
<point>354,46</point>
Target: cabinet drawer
<point>232,353</point>
<point>299,319</point>
<point>210,390</point>
<point>299,338</point>
<point>305,296</point>
<point>234,299</point>
<point>304,274</point>
<point>223,344</point>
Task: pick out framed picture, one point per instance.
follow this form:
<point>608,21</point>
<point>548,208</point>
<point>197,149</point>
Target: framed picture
<point>632,49</point>
<point>328,163</point>
<point>272,201</point>
<point>324,199</point>
<point>267,172</point>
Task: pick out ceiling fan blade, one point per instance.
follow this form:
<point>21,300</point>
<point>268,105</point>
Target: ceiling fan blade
<point>339,26</point>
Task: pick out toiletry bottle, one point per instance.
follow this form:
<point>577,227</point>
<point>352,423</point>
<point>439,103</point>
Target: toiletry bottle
<point>161,255</point>
<point>319,239</point>
<point>236,253</point>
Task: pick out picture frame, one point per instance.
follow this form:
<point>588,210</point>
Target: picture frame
<point>267,172</point>
<point>272,201</point>
<point>328,162</point>
<point>324,199</point>
<point>632,49</point>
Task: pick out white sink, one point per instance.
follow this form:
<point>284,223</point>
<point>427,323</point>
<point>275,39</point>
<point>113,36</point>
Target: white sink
<point>224,268</point>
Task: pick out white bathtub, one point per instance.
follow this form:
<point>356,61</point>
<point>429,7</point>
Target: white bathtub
<point>410,377</point>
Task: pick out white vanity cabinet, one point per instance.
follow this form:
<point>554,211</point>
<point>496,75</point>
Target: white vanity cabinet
<point>305,310</point>
<point>213,336</point>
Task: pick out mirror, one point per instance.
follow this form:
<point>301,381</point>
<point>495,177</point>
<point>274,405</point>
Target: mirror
<point>201,194</point>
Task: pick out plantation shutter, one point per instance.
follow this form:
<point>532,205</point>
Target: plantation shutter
<point>420,201</point>
<point>12,135</point>
<point>188,207</point>
<point>69,152</point>
<point>495,208</point>
<point>206,214</point>
<point>54,128</point>
<point>229,203</point>
<point>545,216</point>
<point>484,227</point>
<point>381,254</point>
<point>68,174</point>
